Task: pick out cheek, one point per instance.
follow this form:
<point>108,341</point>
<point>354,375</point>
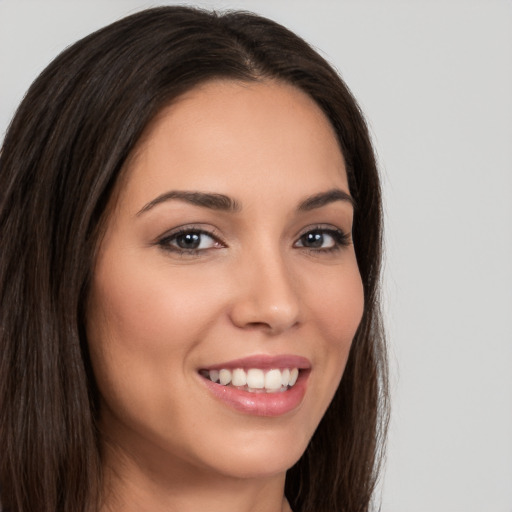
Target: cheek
<point>338,306</point>
<point>150,310</point>
<point>143,324</point>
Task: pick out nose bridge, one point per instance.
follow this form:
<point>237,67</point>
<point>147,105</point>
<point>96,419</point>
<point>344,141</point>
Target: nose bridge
<point>268,295</point>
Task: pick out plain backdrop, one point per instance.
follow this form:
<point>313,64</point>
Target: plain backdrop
<point>435,81</point>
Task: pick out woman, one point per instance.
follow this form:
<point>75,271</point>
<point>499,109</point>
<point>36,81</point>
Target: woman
<point>191,231</point>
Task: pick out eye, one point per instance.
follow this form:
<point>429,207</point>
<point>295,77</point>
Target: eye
<point>189,241</point>
<point>323,239</point>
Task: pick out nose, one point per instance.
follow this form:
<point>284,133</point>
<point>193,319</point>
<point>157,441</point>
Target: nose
<point>267,296</point>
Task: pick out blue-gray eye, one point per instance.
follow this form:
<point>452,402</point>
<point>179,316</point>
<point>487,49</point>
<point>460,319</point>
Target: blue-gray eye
<point>191,240</point>
<point>323,239</point>
<point>318,239</point>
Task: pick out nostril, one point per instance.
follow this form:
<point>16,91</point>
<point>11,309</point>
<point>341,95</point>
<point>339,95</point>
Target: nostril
<point>271,327</point>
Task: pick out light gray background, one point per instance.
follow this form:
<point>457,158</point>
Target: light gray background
<point>435,79</point>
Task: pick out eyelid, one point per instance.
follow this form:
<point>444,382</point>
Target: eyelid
<point>196,227</point>
<point>322,227</point>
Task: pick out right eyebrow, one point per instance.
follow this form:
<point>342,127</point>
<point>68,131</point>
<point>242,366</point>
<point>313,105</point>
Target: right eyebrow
<point>203,199</point>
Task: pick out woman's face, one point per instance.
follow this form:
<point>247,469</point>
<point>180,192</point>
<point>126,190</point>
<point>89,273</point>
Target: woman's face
<point>227,256</point>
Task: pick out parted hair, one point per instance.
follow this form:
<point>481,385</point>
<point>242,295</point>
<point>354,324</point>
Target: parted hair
<point>61,158</point>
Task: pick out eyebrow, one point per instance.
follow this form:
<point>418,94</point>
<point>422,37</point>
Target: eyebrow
<point>206,200</point>
<point>325,198</point>
<point>225,203</point>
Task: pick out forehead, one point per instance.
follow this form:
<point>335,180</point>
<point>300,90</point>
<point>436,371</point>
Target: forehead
<point>237,136</point>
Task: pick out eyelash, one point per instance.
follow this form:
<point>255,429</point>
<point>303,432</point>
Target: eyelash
<point>166,242</point>
<point>340,239</point>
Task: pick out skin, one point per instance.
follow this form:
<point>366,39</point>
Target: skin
<point>156,315</point>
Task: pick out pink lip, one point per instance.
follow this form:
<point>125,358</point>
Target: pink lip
<point>265,362</point>
<point>262,404</point>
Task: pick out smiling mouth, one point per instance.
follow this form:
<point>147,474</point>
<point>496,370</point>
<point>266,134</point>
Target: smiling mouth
<point>259,385</point>
<point>254,380</point>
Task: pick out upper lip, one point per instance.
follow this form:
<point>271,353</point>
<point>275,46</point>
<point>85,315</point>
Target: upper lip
<point>265,362</point>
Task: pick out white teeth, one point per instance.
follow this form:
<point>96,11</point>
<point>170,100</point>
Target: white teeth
<point>255,379</point>
<point>239,378</point>
<point>225,377</point>
<point>273,380</point>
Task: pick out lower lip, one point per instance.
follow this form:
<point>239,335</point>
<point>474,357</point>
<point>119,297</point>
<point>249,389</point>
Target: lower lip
<point>261,404</point>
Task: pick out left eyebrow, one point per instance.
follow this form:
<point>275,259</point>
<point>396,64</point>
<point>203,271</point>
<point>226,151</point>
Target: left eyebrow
<point>325,198</point>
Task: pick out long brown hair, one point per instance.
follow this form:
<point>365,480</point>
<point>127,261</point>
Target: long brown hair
<point>60,160</point>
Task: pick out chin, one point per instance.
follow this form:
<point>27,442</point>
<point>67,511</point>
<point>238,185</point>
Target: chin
<point>262,453</point>
<point>260,465</point>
